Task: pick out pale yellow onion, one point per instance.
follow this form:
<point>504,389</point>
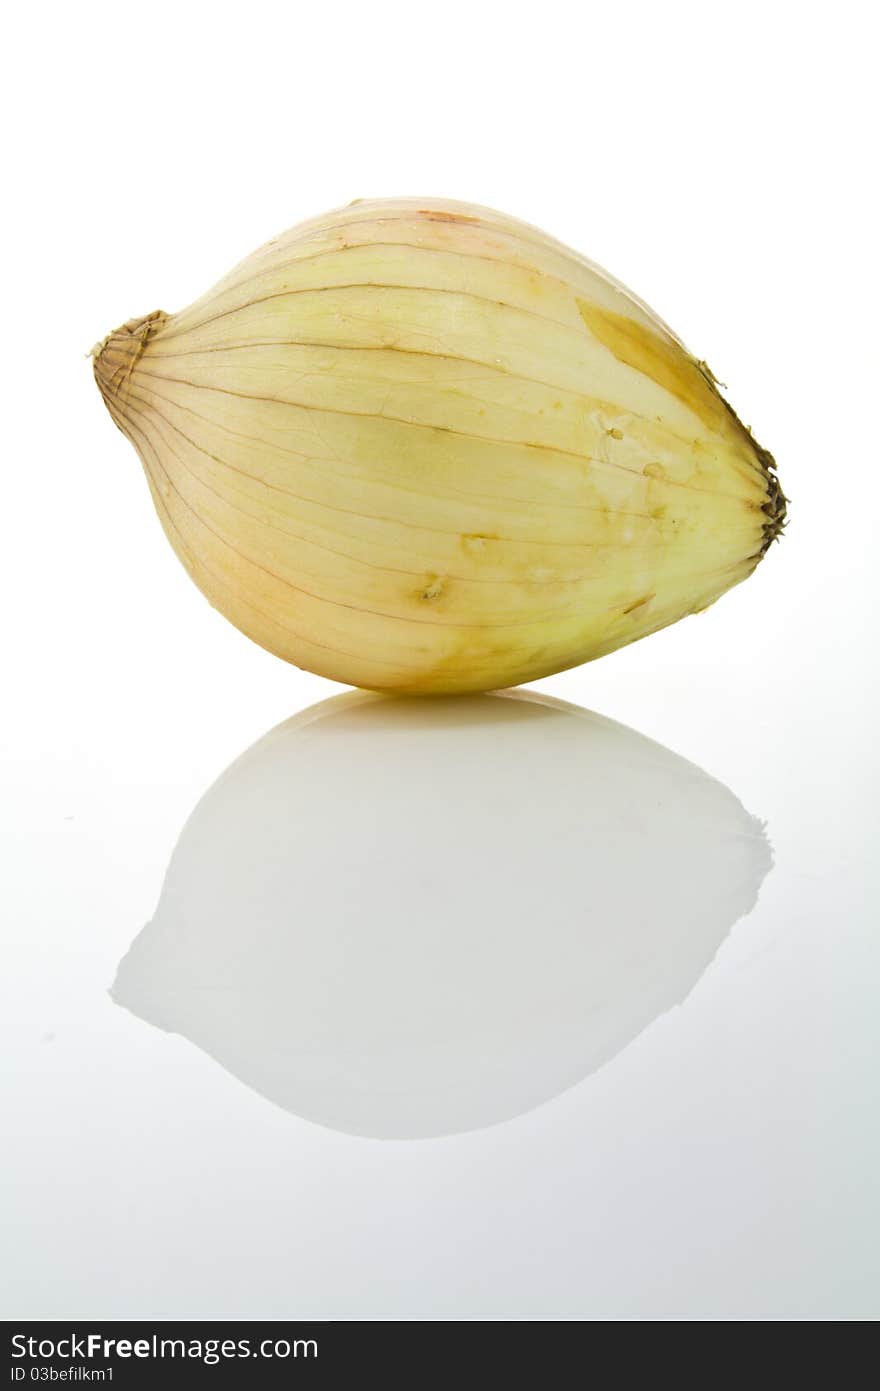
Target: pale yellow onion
<point>420,446</point>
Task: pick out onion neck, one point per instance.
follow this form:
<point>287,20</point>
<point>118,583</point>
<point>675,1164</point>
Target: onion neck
<point>115,356</point>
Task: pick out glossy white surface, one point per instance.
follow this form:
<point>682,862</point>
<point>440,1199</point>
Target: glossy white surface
<point>525,937</point>
<point>488,950</point>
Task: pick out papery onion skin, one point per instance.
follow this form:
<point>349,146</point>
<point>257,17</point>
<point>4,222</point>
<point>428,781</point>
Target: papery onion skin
<point>418,446</point>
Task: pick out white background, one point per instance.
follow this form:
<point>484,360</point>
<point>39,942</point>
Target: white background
<point>722,162</point>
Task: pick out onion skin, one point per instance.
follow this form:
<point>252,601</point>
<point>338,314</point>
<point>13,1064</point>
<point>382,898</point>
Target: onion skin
<point>418,446</point>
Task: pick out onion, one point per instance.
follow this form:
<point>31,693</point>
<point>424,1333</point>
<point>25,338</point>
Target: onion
<point>419,446</point>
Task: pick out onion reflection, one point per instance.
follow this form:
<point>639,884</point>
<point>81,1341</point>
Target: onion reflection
<point>410,918</point>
